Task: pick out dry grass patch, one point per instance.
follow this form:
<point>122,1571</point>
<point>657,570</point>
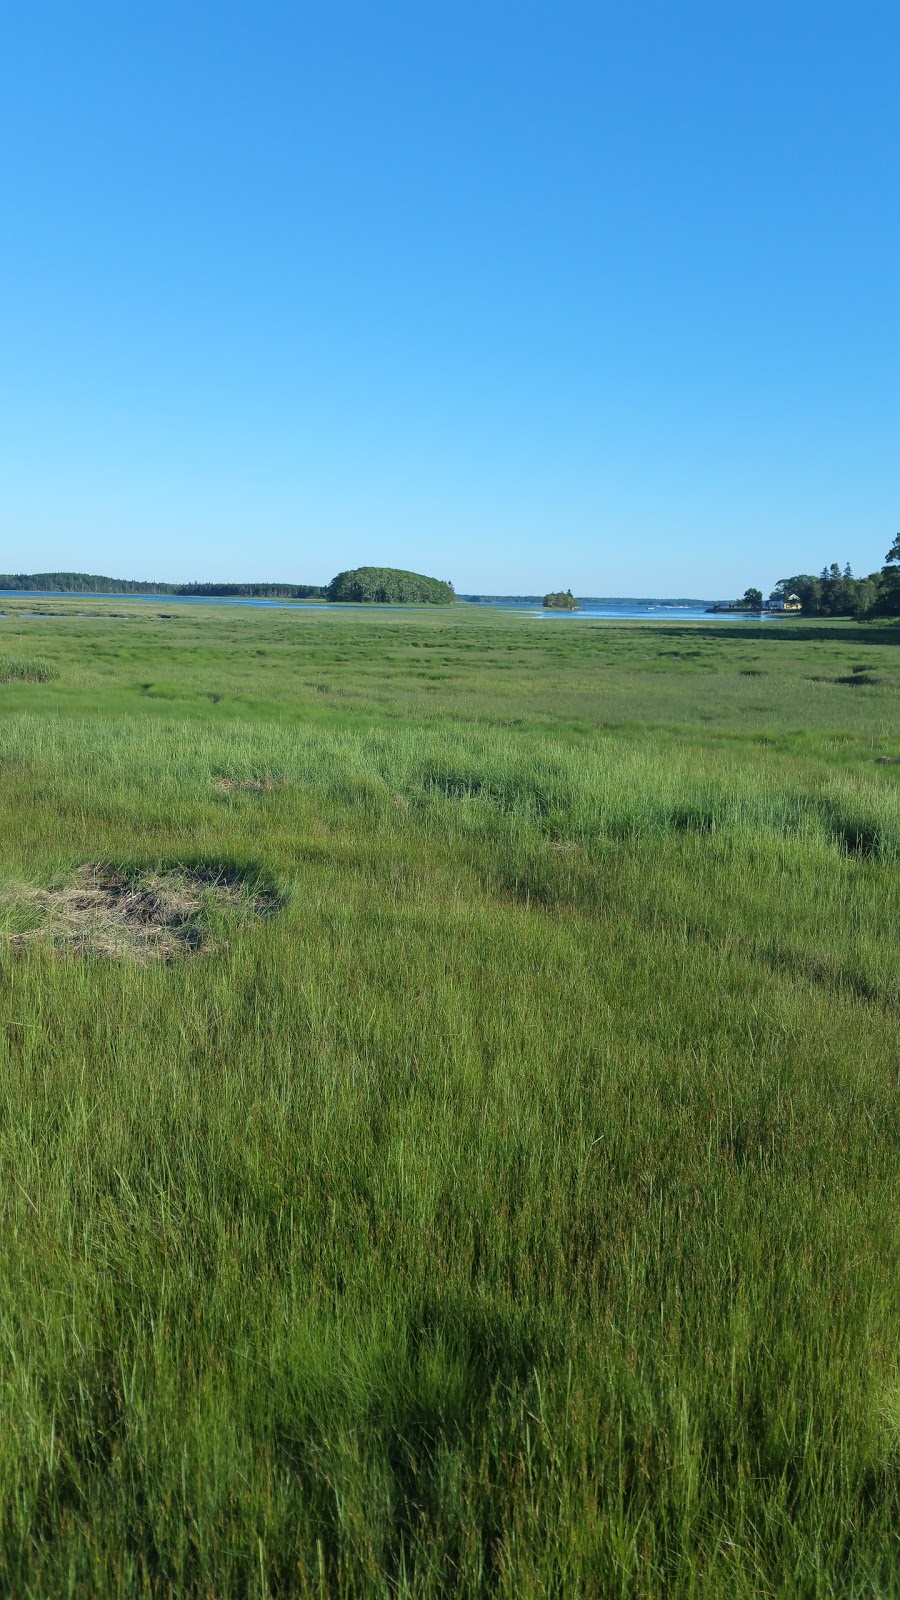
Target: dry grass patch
<point>150,916</point>
<point>225,785</point>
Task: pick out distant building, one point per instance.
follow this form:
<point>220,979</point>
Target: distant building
<point>784,602</point>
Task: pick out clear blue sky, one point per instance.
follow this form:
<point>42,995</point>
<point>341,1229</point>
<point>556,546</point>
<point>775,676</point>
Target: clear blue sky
<point>519,294</point>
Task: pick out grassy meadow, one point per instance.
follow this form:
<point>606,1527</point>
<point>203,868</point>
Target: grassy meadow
<point>487,1183</point>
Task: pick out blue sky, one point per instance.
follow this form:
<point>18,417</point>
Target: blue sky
<point>518,294</point>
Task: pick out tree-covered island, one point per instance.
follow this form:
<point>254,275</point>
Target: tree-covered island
<point>560,600</point>
<point>389,586</point>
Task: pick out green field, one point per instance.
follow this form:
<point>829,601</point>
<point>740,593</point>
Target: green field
<point>449,1141</point>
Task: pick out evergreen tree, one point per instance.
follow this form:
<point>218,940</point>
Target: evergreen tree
<point>888,602</point>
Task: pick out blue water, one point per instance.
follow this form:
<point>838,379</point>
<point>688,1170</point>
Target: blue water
<point>634,611</point>
<point>623,611</point>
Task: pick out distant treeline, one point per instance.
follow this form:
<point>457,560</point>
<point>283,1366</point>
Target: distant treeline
<point>271,591</point>
<point>384,585</point>
<point>95,583</point>
<point>79,583</point>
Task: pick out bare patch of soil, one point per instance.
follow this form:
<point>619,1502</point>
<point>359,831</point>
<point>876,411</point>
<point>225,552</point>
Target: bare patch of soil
<point>146,916</point>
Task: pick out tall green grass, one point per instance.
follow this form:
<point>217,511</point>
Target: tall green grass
<point>514,1212</point>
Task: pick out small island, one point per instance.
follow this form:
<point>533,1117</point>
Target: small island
<point>389,586</point>
<point>560,601</point>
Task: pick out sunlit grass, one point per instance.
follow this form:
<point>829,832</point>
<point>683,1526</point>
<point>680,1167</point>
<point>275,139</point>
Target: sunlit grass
<point>511,1211</point>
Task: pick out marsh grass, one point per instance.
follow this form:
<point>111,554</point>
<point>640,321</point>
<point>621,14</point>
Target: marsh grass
<point>511,1209</point>
<point>14,669</point>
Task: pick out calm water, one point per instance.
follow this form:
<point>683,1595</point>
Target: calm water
<point>634,611</point>
<point>623,610</point>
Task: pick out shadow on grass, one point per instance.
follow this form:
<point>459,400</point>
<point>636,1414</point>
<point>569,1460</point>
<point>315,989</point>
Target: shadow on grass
<point>228,875</point>
<point>824,632</point>
<point>370,1435</point>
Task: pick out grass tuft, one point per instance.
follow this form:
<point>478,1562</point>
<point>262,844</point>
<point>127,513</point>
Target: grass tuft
<point>14,669</point>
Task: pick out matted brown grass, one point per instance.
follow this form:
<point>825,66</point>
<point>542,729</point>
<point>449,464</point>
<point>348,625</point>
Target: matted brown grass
<point>150,916</point>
